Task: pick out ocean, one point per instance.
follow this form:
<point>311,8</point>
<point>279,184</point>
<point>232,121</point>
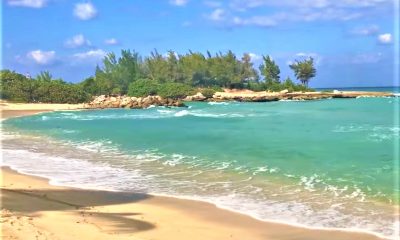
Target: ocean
<point>320,164</point>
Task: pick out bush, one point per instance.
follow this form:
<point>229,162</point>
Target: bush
<point>257,87</point>
<point>208,92</point>
<point>275,87</point>
<point>175,90</point>
<point>217,89</point>
<point>143,88</point>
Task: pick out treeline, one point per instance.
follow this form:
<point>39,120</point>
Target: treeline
<point>19,88</point>
<point>169,75</point>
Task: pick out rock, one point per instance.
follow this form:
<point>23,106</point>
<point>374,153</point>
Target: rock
<point>284,91</point>
<point>131,102</point>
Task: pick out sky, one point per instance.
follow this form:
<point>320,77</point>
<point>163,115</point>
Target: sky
<point>354,42</point>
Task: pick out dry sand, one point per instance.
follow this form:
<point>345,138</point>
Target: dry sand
<point>34,209</point>
<point>22,109</point>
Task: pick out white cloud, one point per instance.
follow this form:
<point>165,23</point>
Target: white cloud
<point>217,15</point>
<point>93,55</point>
<point>235,12</point>
<point>28,3</point>
<point>242,5</point>
<point>255,57</point>
<point>365,31</point>
<point>304,55</point>
<point>366,58</point>
<point>85,11</point>
<point>42,57</point>
<point>111,41</point>
<point>178,2</point>
<point>77,41</point>
<point>260,21</point>
<point>385,38</point>
<point>296,15</point>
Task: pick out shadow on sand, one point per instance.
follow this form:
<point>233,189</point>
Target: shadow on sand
<point>30,202</point>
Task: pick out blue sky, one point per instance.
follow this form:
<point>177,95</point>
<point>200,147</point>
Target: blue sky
<point>353,41</point>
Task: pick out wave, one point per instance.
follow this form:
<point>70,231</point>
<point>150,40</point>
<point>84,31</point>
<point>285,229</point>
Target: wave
<point>103,165</point>
<point>373,133</point>
<point>160,113</point>
<point>218,103</point>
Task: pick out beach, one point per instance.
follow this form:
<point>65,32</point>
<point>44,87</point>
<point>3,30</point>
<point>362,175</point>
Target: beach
<point>34,209</point>
<point>9,109</point>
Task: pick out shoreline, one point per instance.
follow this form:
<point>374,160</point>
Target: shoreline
<point>310,232</point>
<point>190,207</point>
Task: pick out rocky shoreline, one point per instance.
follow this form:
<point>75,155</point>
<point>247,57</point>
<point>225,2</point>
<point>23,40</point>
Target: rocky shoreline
<point>286,95</point>
<point>103,101</point>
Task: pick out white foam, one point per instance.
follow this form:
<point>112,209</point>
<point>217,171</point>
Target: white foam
<point>218,103</point>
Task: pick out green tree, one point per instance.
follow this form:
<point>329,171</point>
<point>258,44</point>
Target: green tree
<point>143,88</point>
<point>174,90</point>
<point>247,71</point>
<point>270,70</point>
<point>304,70</point>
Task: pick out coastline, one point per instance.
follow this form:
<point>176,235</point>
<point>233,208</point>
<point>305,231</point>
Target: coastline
<point>9,110</point>
<point>198,220</point>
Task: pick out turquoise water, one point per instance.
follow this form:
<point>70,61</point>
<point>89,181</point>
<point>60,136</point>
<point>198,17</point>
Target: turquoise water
<point>325,164</point>
<point>368,89</point>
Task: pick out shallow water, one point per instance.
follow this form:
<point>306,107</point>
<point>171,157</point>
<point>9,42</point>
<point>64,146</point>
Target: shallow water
<point>327,163</point>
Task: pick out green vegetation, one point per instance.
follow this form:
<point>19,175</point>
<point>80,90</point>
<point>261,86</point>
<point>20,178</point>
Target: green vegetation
<point>143,88</point>
<point>170,75</point>
<point>208,92</point>
<point>16,87</point>
<point>175,90</point>
<point>304,70</point>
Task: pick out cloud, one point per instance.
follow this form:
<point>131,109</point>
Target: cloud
<point>303,55</point>
<point>217,15</point>
<point>296,15</point>
<point>255,57</point>
<point>242,5</point>
<point>77,41</point>
<point>42,57</point>
<point>85,11</point>
<point>111,41</point>
<point>237,12</point>
<point>385,38</point>
<point>366,58</point>
<point>179,3</point>
<point>365,31</point>
<point>260,21</point>
<point>93,55</point>
<point>27,3</point>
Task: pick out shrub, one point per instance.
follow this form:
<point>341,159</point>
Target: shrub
<point>208,92</point>
<point>257,87</point>
<point>275,87</point>
<point>175,90</point>
<point>143,88</point>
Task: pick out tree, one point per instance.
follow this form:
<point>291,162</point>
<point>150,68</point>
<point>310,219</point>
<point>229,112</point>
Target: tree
<point>270,70</point>
<point>143,88</point>
<point>44,76</point>
<point>247,71</point>
<point>304,70</point>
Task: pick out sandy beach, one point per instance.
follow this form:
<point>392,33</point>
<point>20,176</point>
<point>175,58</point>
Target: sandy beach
<point>34,209</point>
<point>22,109</point>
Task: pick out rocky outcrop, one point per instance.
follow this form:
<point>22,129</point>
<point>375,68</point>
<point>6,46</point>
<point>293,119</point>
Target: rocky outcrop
<point>197,97</point>
<point>104,101</point>
<point>248,96</point>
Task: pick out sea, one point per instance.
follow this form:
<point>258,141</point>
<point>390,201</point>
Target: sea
<point>323,164</point>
